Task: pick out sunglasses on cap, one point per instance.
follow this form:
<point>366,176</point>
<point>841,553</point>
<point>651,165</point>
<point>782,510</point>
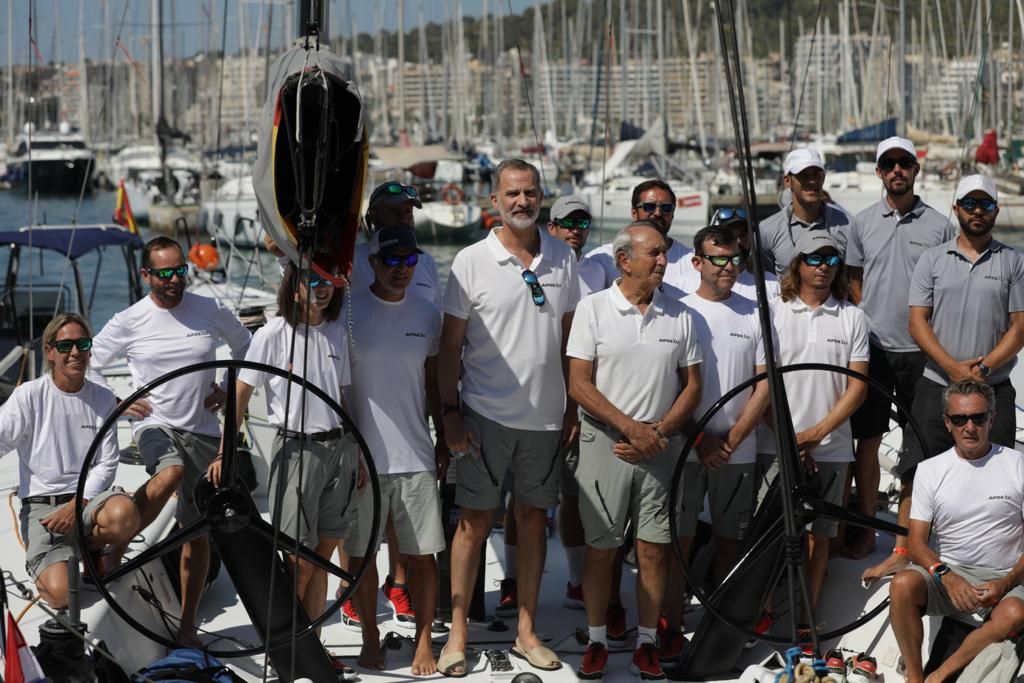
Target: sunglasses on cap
<point>977,418</point>
<point>906,163</point>
<point>651,207</point>
<point>169,273</point>
<point>536,291</point>
<point>574,223</point>
<point>392,189</point>
<point>815,260</point>
<point>723,260</point>
<point>65,345</point>
<point>393,261</point>
<point>970,204</point>
<point>728,214</point>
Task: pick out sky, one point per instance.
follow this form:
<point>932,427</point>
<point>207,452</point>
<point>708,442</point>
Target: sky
<point>57,25</point>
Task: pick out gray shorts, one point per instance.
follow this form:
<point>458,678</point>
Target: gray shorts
<point>531,456</point>
<point>414,503</point>
<point>163,447</point>
<point>832,481</point>
<point>612,491</point>
<point>321,499</point>
<point>570,458</point>
<point>42,546</point>
<point>731,495</point>
<point>939,603</point>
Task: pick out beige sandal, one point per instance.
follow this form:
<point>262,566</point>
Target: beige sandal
<point>449,663</point>
<point>540,657</point>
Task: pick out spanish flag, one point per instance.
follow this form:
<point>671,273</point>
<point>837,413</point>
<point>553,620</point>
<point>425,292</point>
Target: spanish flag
<point>123,215</point>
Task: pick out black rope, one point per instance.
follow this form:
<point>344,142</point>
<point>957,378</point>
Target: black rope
<point>803,82</point>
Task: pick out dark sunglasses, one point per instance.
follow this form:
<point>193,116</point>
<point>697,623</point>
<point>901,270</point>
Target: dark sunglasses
<point>728,214</point>
<point>574,223</point>
<point>65,345</point>
<point>393,189</point>
<point>815,260</point>
<point>314,280</point>
<point>977,418</point>
<point>722,260</point>
<point>530,278</point>
<point>906,163</point>
<point>970,204</point>
<point>408,260</point>
<point>168,273</point>
<point>651,207</point>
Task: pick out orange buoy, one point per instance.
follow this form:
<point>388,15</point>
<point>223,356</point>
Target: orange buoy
<point>204,256</point>
<point>452,194</point>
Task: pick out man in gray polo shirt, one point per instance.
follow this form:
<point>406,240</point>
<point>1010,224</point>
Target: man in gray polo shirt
<point>886,241</point>
<point>967,316</point>
<point>805,176</point>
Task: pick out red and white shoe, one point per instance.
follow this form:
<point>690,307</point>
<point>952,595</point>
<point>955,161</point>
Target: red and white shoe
<point>397,597</point>
<point>861,668</point>
<point>349,618</point>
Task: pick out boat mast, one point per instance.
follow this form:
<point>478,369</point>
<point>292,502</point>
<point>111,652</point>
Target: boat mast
<point>401,67</point>
<point>11,125</point>
<point>83,81</point>
<point>156,75</point>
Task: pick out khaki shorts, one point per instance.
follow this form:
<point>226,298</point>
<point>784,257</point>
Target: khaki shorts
<point>163,447</point>
<point>731,495</point>
<point>938,599</point>
<point>613,491</point>
<point>531,456</point>
<point>43,547</point>
<point>414,503</point>
<point>327,484</point>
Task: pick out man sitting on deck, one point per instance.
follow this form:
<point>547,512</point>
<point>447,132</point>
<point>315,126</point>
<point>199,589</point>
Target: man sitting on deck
<point>972,497</point>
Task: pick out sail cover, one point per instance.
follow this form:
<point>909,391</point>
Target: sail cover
<point>311,160</point>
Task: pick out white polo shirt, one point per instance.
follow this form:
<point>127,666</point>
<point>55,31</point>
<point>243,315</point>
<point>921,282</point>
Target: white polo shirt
<point>389,345</point>
<point>744,285</point>
<point>679,256</point>
<point>636,356</point>
<point>424,283</point>
<point>835,333</point>
<point>591,277</point>
<point>52,431</point>
<point>512,358</point>
<point>729,335</point>
<point>325,364</point>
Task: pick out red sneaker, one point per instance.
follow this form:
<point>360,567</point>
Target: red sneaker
<point>349,617</point>
<point>508,604</point>
<point>397,597</point>
<point>671,644</point>
<point>763,625</point>
<point>595,659</point>
<point>573,596</point>
<point>645,663</point>
<point>805,641</point>
<point>836,665</point>
<point>615,621</point>
<point>862,669</point>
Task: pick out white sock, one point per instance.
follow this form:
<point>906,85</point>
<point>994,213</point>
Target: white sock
<point>646,634</point>
<point>598,634</point>
<point>576,557</point>
<point>510,561</point>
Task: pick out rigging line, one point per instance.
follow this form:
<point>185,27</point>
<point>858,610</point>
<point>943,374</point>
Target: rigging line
<point>803,82</point>
<point>529,104</point>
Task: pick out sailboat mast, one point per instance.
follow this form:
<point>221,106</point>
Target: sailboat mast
<point>11,125</point>
<point>401,66</point>
<point>83,81</point>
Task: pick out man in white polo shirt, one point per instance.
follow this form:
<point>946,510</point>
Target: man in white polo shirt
<point>634,369</point>
<point>804,178</point>
<point>176,426</point>
<point>886,241</point>
<point>654,201</point>
<point>967,316</point>
<point>815,324</point>
<point>969,500</point>
<point>508,308</point>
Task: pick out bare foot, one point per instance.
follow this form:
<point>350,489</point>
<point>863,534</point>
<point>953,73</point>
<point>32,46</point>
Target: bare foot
<point>370,657</point>
<point>423,663</point>
<point>887,567</point>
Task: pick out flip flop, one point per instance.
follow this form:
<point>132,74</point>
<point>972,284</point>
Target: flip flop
<point>449,662</point>
<point>540,657</point>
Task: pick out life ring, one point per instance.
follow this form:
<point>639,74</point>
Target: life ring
<point>452,194</point>
<point>489,219</point>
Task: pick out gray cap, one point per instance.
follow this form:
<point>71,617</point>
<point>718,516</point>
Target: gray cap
<point>566,205</point>
<point>813,240</point>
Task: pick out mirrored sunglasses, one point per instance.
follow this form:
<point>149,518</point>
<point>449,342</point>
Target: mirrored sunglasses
<point>723,260</point>
<point>815,260</point>
<point>651,207</point>
<point>574,223</point>
<point>409,260</point>
<point>169,273</point>
<point>536,291</point>
<point>970,204</point>
<point>65,345</point>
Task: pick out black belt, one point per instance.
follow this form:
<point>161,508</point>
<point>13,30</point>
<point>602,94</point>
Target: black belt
<point>335,433</point>
<point>48,500</point>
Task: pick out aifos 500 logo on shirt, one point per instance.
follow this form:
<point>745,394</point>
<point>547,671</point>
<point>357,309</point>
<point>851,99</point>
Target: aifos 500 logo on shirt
<point>198,333</point>
<point>668,340</point>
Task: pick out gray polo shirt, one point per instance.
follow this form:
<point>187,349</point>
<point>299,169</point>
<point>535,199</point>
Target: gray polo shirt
<point>780,231</point>
<point>971,303</point>
<point>887,246</point>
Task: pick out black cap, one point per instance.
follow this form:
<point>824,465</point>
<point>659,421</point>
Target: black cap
<point>394,238</point>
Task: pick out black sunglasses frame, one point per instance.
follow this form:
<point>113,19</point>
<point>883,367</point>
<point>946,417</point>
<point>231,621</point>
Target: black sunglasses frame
<point>71,343</point>
<point>977,418</point>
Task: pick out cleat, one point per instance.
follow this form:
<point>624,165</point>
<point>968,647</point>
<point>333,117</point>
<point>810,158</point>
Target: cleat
<point>595,660</point>
<point>645,663</point>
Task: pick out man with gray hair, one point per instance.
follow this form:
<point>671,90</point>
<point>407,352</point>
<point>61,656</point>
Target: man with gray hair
<point>970,498</point>
<point>634,369</point>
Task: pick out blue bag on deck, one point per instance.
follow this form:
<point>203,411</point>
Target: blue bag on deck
<point>186,665</point>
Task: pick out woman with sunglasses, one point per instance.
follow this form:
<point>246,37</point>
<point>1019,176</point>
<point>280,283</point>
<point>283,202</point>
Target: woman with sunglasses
<point>310,449</point>
<point>51,422</point>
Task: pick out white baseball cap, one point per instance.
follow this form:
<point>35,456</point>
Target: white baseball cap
<point>895,142</point>
<point>802,158</point>
<point>970,183</point>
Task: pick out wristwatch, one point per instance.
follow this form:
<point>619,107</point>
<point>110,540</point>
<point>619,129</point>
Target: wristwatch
<point>984,369</point>
<point>938,570</point>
